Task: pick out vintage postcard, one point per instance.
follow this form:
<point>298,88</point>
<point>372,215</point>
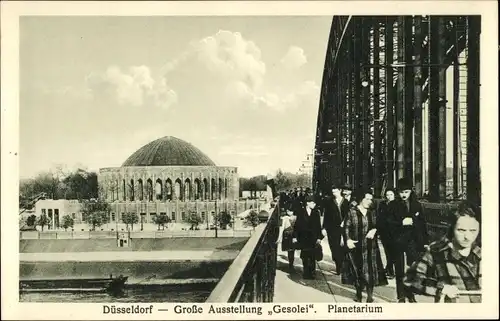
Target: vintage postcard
<point>249,160</point>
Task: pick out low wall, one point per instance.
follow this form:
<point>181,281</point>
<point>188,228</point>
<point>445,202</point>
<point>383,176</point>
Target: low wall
<point>64,235</point>
<point>138,272</point>
<point>105,245</point>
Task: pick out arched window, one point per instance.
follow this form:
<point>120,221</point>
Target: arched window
<point>140,189</point>
<point>225,187</point>
<point>113,189</point>
<point>221,187</point>
<point>197,189</point>
<point>158,190</point>
<point>187,189</point>
<point>131,192</point>
<point>124,190</point>
<point>149,190</point>
<point>214,190</point>
<point>168,189</point>
<point>205,189</point>
<point>178,190</point>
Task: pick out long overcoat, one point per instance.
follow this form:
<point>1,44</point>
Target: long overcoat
<point>404,236</point>
<point>366,256</point>
<point>307,229</point>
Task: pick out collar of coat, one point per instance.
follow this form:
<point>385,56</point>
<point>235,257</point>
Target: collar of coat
<point>446,246</point>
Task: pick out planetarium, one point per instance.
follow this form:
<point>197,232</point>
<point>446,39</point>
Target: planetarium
<point>169,176</point>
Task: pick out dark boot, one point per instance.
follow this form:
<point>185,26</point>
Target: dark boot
<point>312,268</point>
<point>291,259</point>
<point>409,295</point>
<point>359,295</point>
<point>305,268</point>
<point>369,294</point>
<point>338,269</point>
<point>390,271</point>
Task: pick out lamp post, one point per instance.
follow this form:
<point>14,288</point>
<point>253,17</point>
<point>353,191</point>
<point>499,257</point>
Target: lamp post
<point>207,216</point>
<point>216,218</point>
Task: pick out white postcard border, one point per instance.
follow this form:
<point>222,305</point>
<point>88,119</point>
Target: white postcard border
<point>10,12</point>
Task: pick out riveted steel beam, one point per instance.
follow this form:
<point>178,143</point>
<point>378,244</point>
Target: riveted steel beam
<point>473,85</point>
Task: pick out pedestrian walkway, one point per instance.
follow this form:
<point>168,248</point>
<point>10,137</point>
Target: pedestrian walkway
<point>327,287</point>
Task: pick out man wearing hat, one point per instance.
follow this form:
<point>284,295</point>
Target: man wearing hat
<point>410,233</point>
<point>298,201</point>
<point>347,194</point>
<point>307,235</point>
<point>335,211</point>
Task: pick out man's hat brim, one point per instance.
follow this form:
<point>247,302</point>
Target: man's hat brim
<point>404,184</point>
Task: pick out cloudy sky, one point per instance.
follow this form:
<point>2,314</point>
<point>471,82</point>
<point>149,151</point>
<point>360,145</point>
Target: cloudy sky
<point>245,90</point>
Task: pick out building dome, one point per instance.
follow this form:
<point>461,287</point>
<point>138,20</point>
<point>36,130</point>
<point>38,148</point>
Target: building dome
<point>168,151</point>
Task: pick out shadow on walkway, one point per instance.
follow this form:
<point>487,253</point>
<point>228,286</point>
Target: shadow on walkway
<point>328,282</point>
<point>319,283</point>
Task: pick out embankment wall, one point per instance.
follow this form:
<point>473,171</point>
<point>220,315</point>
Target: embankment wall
<point>106,245</point>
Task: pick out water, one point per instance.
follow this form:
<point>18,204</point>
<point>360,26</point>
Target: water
<point>196,293</point>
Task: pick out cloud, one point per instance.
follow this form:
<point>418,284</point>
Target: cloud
<point>224,71</point>
<point>294,58</point>
<point>136,87</point>
<point>231,57</point>
<point>229,67</point>
<point>303,95</point>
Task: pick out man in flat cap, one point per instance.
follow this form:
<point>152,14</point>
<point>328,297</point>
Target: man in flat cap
<point>410,233</point>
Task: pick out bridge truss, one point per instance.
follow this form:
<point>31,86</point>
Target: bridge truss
<point>400,98</point>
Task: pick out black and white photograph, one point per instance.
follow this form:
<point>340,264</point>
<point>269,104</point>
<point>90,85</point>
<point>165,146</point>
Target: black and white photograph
<point>303,161</point>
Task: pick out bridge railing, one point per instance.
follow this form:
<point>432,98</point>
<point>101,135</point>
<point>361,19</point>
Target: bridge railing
<point>437,216</point>
<point>250,278</point>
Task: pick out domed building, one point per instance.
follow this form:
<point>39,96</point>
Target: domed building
<point>169,176</point>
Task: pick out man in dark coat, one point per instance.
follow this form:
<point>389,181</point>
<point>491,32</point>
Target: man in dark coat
<point>298,201</point>
<point>384,231</point>
<point>410,236</point>
<point>335,211</point>
<point>347,194</point>
<point>307,235</point>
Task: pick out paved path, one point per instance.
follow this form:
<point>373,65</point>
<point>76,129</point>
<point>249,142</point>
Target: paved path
<point>327,287</point>
<point>129,256</point>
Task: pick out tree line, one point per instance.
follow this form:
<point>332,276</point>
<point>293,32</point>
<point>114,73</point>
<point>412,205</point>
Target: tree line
<point>59,184</point>
<point>82,185</point>
<point>285,180</point>
<point>253,185</point>
<point>282,180</point>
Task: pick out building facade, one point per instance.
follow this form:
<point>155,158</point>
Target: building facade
<point>55,210</point>
<point>178,211</point>
<point>169,176</point>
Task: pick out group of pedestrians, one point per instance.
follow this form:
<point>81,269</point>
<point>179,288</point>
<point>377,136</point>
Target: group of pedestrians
<point>353,226</point>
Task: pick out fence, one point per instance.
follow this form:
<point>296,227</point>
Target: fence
<point>437,218</point>
<point>250,278</point>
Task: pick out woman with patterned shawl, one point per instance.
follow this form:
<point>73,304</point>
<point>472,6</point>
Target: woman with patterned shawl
<point>363,266</point>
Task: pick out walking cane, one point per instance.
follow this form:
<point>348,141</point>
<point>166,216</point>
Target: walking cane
<point>354,269</point>
<point>462,293</point>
